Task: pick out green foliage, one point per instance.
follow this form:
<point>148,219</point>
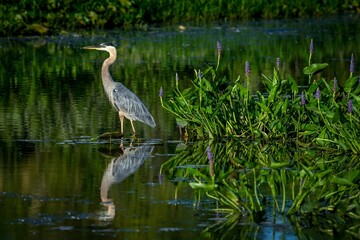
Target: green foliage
<point>286,154</point>
<point>216,107</point>
<point>254,179</point>
<point>27,17</point>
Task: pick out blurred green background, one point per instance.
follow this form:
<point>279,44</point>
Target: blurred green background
<point>29,17</point>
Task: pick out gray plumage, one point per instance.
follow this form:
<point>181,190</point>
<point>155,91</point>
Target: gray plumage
<point>122,99</point>
<point>118,170</point>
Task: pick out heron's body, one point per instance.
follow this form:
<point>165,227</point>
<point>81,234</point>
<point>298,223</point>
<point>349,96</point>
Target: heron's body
<point>125,102</point>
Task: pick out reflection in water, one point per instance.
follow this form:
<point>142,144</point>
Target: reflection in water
<point>119,169</point>
<point>257,185</point>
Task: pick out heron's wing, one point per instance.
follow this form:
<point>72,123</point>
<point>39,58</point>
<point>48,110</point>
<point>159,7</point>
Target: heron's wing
<point>126,101</point>
<point>123,166</point>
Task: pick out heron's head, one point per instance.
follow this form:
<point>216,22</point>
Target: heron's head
<point>108,47</point>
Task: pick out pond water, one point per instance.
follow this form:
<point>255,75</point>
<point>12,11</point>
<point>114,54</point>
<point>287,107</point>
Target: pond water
<point>56,182</point>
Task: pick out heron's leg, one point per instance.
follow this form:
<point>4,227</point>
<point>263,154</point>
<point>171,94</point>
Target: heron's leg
<point>121,116</point>
<point>133,128</point>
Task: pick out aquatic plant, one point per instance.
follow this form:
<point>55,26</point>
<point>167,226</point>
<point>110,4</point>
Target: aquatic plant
<point>284,148</point>
<point>217,107</point>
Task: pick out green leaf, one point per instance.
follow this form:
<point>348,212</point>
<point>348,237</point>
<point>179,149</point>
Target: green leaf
<point>278,165</point>
<point>285,106</point>
<point>353,175</point>
<point>350,83</point>
<point>273,93</point>
<point>264,107</point>
<point>341,181</point>
<point>278,107</point>
<point>294,86</point>
<point>204,186</point>
<point>337,116</point>
<point>315,68</point>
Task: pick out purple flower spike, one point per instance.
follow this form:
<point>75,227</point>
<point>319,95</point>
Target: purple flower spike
<point>161,92</point>
<point>218,46</point>
<point>303,101</point>
<point>352,64</point>
<point>350,106</point>
<point>311,48</point>
<point>199,74</point>
<point>335,84</point>
<point>211,160</point>
<point>247,69</point>
<point>209,154</point>
<point>160,178</point>
<point>317,94</point>
<point>278,63</point>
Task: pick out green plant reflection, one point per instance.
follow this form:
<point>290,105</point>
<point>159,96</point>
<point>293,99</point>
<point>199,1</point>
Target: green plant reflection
<point>256,181</point>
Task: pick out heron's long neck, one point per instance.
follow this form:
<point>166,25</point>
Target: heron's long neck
<point>105,74</point>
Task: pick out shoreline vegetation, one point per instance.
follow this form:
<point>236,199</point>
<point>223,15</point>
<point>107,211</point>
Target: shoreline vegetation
<point>291,150</point>
<point>52,17</point>
<point>324,115</point>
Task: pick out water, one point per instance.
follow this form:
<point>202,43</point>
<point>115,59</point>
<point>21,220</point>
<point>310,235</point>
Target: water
<point>55,182</point>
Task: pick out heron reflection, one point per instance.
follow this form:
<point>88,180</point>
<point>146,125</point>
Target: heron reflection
<point>118,170</point>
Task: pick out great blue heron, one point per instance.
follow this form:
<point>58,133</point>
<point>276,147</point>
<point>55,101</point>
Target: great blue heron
<point>123,100</point>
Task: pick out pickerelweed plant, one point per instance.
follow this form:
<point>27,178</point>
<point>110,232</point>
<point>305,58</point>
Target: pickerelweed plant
<point>322,114</point>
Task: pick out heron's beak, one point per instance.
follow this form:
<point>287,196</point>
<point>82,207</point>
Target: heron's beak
<point>91,47</point>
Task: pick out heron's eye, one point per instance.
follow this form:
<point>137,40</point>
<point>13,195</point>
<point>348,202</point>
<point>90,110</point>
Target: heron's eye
<point>115,90</point>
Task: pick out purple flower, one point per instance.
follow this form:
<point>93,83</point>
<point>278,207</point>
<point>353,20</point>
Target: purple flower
<point>209,154</point>
<point>247,69</point>
<point>317,94</point>
<point>211,160</point>
<point>218,46</point>
<point>335,85</point>
<point>199,74</point>
<point>161,92</point>
<point>311,48</point>
<point>278,63</point>
<point>303,101</point>
<point>352,64</point>
<point>350,106</point>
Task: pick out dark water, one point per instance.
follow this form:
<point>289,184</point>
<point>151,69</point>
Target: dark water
<point>56,183</point>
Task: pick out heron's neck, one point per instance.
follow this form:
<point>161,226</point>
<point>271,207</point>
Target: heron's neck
<point>105,74</point>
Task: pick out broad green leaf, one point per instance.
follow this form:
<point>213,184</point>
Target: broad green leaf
<point>353,175</point>
<point>341,181</point>
<point>315,68</point>
<point>350,83</point>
